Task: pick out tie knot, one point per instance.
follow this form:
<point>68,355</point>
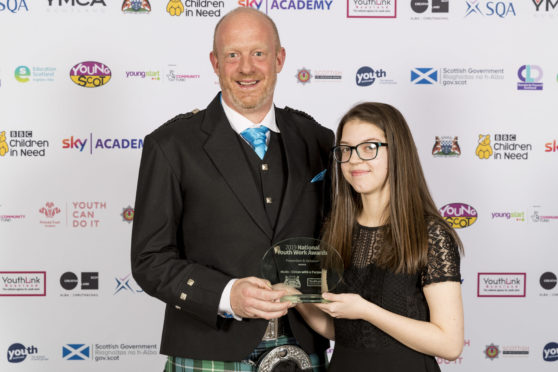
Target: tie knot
<point>256,137</point>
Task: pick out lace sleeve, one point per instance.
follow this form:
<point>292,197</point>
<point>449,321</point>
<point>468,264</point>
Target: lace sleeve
<point>443,257</point>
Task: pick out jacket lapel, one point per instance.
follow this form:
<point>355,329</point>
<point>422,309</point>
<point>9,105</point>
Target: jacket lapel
<point>223,148</point>
<point>296,155</point>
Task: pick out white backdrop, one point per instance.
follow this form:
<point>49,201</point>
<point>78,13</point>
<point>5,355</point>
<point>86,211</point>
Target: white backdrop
<point>62,210</point>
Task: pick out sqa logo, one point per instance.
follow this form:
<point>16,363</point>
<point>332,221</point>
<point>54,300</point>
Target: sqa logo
<point>136,6</point>
<point>90,74</point>
<point>498,8</point>
<point>424,75</point>
<point>126,284</point>
<point>13,6</point>
<point>17,353</point>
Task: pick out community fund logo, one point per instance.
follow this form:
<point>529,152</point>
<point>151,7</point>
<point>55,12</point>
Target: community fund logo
<point>90,74</point>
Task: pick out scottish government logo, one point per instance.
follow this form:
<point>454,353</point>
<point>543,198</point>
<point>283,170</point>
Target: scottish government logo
<point>90,74</point>
<point>424,76</point>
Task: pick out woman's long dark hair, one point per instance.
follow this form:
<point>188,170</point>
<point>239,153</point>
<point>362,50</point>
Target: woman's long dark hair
<point>410,207</point>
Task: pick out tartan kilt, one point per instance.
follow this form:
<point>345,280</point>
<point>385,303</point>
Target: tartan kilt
<point>178,364</point>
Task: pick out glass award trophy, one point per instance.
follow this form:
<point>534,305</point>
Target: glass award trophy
<point>307,265</point>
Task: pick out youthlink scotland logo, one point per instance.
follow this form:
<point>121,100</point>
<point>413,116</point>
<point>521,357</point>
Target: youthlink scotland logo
<point>459,215</point>
<point>136,6</point>
<point>530,77</point>
<point>22,283</point>
<point>13,6</point>
<point>501,284</point>
<point>371,8</point>
<point>446,147</point>
<point>90,74</point>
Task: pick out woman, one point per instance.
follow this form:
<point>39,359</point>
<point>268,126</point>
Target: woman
<point>400,302</point>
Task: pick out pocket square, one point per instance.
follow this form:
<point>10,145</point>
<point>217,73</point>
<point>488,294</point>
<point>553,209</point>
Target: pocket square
<point>319,177</point>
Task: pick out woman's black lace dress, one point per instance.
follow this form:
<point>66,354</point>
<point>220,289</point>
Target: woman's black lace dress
<point>360,346</point>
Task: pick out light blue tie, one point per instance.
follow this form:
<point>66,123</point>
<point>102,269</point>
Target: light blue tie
<point>257,138</point>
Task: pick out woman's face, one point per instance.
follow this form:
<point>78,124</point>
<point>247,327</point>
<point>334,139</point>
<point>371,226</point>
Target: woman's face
<point>367,177</point>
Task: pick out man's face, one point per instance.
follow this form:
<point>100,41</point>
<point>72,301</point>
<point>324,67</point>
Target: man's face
<point>247,61</point>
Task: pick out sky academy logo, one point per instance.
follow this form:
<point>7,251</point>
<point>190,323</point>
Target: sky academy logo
<point>268,6</point>
<point>91,144</point>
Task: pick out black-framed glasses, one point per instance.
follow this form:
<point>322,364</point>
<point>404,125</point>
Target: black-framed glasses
<point>365,151</point>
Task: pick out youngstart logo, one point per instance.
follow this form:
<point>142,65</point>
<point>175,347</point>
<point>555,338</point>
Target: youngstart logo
<point>530,77</point>
<point>13,6</point>
<point>501,284</point>
<point>459,215</point>
<point>371,8</point>
<point>22,283</point>
<point>90,74</point>
<point>136,6</point>
<point>446,147</point>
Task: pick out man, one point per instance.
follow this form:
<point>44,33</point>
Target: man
<point>209,205</point>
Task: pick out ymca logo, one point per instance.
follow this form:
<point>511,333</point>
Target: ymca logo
<point>76,352</point>
<point>424,75</point>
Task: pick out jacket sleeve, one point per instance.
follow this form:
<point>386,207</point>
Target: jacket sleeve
<point>158,257</point>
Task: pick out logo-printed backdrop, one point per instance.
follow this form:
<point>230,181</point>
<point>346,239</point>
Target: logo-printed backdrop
<point>81,84</point>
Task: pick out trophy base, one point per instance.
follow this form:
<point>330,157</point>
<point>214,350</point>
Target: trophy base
<point>305,299</point>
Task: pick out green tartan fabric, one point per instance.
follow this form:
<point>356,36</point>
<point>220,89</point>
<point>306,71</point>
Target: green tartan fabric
<point>178,364</point>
